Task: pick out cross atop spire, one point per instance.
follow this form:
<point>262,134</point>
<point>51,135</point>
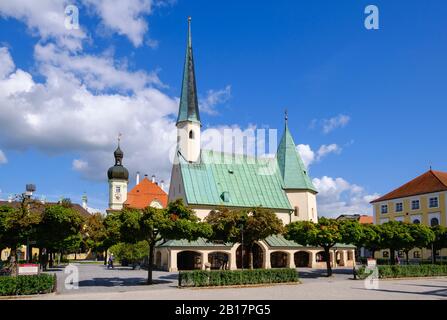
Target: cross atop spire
<point>189,106</point>
<point>119,138</point>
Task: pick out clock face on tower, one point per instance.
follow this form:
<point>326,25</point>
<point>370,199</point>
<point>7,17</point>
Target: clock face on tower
<point>117,196</point>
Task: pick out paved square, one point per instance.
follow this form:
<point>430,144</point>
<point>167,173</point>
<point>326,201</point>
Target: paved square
<point>96,282</point>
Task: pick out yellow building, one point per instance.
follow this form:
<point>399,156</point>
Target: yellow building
<point>422,200</point>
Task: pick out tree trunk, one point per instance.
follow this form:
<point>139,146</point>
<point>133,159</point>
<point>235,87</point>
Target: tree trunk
<point>151,263</point>
<point>105,256</point>
<point>406,256</point>
<point>13,261</point>
<point>328,261</point>
<point>51,259</point>
<point>250,257</point>
<point>392,256</point>
<point>433,253</point>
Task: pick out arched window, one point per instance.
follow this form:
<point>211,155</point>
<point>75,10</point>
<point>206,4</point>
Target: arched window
<point>297,211</point>
<point>434,222</point>
<point>191,134</point>
<point>416,221</point>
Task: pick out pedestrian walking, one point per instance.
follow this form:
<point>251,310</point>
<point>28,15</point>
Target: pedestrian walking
<point>111,258</point>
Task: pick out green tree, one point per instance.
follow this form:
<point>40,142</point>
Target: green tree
<point>372,238</point>
<point>421,235</point>
<point>395,235</point>
<point>130,252</point>
<point>60,225</point>
<point>352,232</point>
<point>252,225</point>
<point>18,224</point>
<point>440,240</point>
<point>156,225</point>
<point>95,233</point>
<point>112,224</point>
<point>326,233</point>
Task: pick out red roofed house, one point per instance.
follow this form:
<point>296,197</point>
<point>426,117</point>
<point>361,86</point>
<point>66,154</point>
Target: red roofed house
<point>146,194</point>
<point>422,200</point>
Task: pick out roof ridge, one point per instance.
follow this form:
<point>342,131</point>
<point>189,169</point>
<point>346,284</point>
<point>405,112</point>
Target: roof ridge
<point>436,176</point>
<point>427,174</point>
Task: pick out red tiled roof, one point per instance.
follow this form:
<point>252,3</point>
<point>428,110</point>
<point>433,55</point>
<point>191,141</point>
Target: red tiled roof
<point>366,220</point>
<point>144,193</point>
<point>431,181</point>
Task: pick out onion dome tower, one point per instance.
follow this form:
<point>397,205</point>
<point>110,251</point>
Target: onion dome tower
<point>118,177</point>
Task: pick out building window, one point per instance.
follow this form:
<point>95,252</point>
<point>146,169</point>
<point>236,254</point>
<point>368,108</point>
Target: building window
<point>416,221</point>
<point>433,202</point>
<point>434,222</point>
<point>191,134</point>
<point>417,254</point>
<point>415,205</point>
<point>399,207</point>
<point>386,254</point>
<point>400,254</point>
<point>296,211</point>
<point>384,208</point>
<point>117,189</point>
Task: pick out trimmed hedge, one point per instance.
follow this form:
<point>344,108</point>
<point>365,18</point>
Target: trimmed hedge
<point>406,271</point>
<point>27,285</point>
<point>202,278</point>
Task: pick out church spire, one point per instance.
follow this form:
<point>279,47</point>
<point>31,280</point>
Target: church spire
<point>293,172</point>
<point>189,106</point>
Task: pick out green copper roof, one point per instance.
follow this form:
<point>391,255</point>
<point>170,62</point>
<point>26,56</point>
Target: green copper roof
<point>280,241</point>
<point>197,243</point>
<point>189,106</point>
<point>275,241</point>
<point>220,179</point>
<point>293,171</point>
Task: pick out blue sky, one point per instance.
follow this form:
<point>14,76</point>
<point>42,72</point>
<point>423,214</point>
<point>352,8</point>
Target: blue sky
<point>64,96</point>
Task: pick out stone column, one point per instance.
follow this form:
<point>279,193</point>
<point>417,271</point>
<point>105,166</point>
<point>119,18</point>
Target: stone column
<point>232,259</point>
<point>291,260</point>
<point>204,259</point>
<point>172,260</point>
<point>267,264</point>
<point>312,259</point>
<point>342,258</point>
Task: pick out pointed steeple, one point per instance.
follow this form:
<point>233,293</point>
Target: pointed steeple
<point>291,166</point>
<point>189,106</point>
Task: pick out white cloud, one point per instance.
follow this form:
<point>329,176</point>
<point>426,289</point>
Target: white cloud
<point>45,19</point>
<point>337,196</point>
<point>62,114</point>
<point>79,165</point>
<point>3,158</point>
<point>309,156</point>
<point>306,153</point>
<point>126,18</point>
<point>97,72</point>
<point>214,98</point>
<point>325,150</point>
<point>336,122</point>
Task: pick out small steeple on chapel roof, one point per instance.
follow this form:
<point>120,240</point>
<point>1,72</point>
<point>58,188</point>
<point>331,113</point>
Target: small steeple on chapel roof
<point>189,106</point>
<point>291,166</point>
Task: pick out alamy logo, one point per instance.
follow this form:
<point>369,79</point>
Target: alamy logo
<point>71,17</point>
<point>372,280</point>
<point>72,280</point>
<point>372,20</point>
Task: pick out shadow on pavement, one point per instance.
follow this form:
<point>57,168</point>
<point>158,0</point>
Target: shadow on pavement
<point>118,282</point>
<point>308,273</point>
